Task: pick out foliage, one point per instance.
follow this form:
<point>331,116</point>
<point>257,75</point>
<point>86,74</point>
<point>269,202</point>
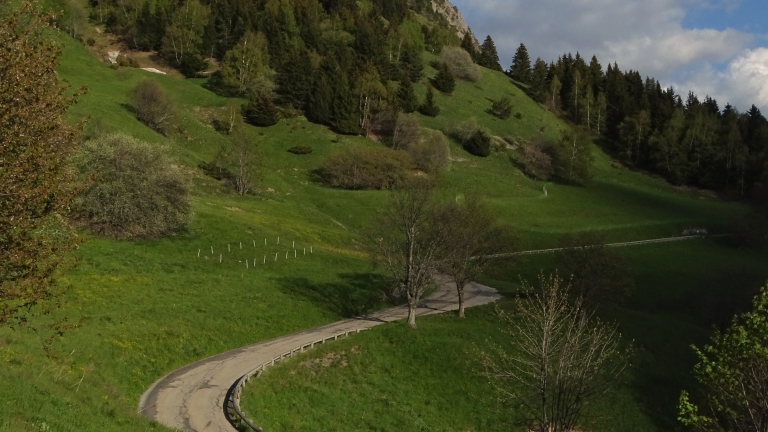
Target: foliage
<point>521,65</point>
<point>261,110</point>
<point>365,168</point>
<point>125,61</point>
<point>534,160</point>
<point>138,192</point>
<point>488,56</point>
<point>245,67</point>
<point>501,108</point>
<point>153,106</point>
<point>430,108</point>
<point>36,184</point>
<point>431,154</point>
<point>240,157</point>
<point>733,373</point>
<point>183,36</point>
<point>407,131</point>
<point>406,96</point>
<point>444,80</point>
<point>573,157</point>
<point>460,64</point>
<point>597,273</point>
<point>473,138</point>
<point>564,358</point>
<point>301,150</point>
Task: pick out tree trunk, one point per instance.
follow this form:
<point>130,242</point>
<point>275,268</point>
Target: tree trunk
<point>460,290</point>
<point>412,315</point>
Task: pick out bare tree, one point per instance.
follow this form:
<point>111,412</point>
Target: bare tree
<point>598,273</point>
<point>242,158</point>
<point>562,359</point>
<point>473,235</point>
<point>407,131</point>
<point>153,106</point>
<point>408,242</point>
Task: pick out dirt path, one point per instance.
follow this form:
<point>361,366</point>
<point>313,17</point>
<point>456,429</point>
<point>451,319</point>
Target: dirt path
<point>192,398</point>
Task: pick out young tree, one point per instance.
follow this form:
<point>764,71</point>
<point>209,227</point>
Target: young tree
<point>573,161</point>
<point>36,185</point>
<point>246,66</point>
<point>241,157</point>
<point>501,108</point>
<point>468,45</point>
<point>488,56</point>
<point>521,65</point>
<point>474,236</point>
<point>406,132</point>
<point>733,371</point>
<point>408,242</point>
<point>598,273</point>
<point>444,81</point>
<point>563,359</point>
<point>429,108</point>
<point>406,96</point>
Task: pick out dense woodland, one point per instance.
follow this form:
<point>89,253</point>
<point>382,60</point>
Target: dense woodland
<point>342,61</point>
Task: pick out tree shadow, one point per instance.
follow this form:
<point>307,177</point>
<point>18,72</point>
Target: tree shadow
<point>354,294</point>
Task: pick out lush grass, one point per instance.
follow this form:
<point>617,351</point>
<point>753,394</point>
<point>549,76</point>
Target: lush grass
<point>149,307</point>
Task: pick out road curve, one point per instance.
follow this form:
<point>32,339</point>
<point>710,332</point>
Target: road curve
<point>193,398</point>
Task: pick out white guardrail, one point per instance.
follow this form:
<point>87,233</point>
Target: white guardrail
<point>233,398</point>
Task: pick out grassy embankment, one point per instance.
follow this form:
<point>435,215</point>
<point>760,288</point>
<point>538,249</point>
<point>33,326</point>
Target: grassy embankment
<point>149,307</point>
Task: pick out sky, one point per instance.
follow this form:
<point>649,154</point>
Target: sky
<point>712,47</point>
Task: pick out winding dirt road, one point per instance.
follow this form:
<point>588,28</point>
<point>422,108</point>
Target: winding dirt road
<point>193,397</point>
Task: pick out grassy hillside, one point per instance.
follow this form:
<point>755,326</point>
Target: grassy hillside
<point>151,306</point>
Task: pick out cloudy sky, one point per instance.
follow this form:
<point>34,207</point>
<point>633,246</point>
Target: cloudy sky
<point>713,47</point>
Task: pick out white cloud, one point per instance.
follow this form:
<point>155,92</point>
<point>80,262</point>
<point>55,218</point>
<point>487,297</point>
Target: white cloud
<point>644,35</point>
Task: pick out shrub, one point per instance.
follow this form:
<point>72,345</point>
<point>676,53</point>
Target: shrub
<point>429,108</point>
<point>519,116</point>
<point>365,168</point>
<point>479,144</point>
<point>432,154</point>
<point>444,81</point>
<point>137,193</point>
<point>407,131</point>
<point>301,150</point>
<point>534,161</point>
<point>501,108</point>
<point>153,106</point>
<point>460,64</point>
<point>191,64</point>
<point>261,110</point>
<point>90,41</point>
<point>125,61</point>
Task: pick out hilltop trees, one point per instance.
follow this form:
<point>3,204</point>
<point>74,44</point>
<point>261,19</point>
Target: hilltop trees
<point>521,65</point>
<point>488,56</point>
<point>36,185</point>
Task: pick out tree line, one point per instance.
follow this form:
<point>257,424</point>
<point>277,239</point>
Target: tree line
<point>688,140</point>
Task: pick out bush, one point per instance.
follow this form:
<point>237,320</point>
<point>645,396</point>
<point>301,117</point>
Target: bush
<point>432,154</point>
<point>191,64</point>
<point>125,61</point>
<point>137,193</point>
<point>460,64</point>
<point>301,150</point>
<point>261,110</point>
<point>501,108</point>
<point>429,108</point>
<point>407,131</point>
<point>153,106</point>
<point>90,41</point>
<point>365,168</point>
<point>534,160</point>
<point>479,144</point>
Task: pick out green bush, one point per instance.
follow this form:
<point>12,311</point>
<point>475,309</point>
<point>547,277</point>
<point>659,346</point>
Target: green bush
<point>301,150</point>
<point>125,61</point>
<point>479,144</point>
<point>365,168</point>
<point>261,110</point>
<point>137,191</point>
<point>501,108</point>
<point>431,154</point>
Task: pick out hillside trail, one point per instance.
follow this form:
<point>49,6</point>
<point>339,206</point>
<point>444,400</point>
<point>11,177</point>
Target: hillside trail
<point>193,398</point>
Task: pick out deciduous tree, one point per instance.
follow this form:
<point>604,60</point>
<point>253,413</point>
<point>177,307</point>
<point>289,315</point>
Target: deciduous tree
<point>246,66</point>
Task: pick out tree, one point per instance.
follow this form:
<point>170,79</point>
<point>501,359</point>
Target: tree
<point>431,154</point>
<point>563,358</point>
<point>468,45</point>
<point>444,81</point>
<point>153,106</point>
<point>261,110</point>
<point>538,84</point>
<point>733,373</point>
<point>534,160</point>
<point>411,63</point>
<point>598,273</point>
<point>521,65</point>
<point>242,157</point>
<point>36,185</point>
<point>184,33</point>
<point>573,159</point>
<point>406,132</point>
<point>406,96</point>
<point>408,242</point>
<point>501,108</point>
<point>429,108</point>
<point>474,236</point>
<point>488,56</point>
<point>246,66</point>
<point>553,95</point>
<point>139,192</point>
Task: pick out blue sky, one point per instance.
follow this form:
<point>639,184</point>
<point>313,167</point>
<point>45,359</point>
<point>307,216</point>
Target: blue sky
<point>713,47</point>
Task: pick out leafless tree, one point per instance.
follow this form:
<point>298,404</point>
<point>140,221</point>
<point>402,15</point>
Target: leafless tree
<point>598,273</point>
<point>473,235</point>
<point>407,131</point>
<point>562,359</point>
<point>242,158</point>
<point>153,106</point>
<point>408,242</point>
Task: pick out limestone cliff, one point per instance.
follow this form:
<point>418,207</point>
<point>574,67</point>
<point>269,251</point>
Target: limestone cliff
<point>453,15</point>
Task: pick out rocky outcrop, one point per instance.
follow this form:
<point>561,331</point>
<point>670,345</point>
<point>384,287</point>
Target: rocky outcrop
<point>453,15</point>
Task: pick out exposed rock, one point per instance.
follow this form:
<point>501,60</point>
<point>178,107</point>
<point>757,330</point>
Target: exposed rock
<point>454,17</point>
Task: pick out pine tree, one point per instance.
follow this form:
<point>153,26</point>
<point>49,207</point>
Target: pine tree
<point>260,110</point>
<point>344,111</point>
<point>411,63</point>
<point>521,65</point>
<point>538,84</point>
<point>489,58</point>
<point>321,99</point>
<point>444,81</point>
<point>294,79</point>
<point>429,108</point>
<point>406,96</point>
<point>468,44</point>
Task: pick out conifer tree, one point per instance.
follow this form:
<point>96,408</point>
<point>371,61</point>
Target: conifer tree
<point>411,63</point>
<point>344,111</point>
<point>406,96</point>
<point>444,81</point>
<point>538,84</point>
<point>294,79</point>
<point>429,108</point>
<point>321,99</point>
<point>260,110</point>
<point>489,58</point>
<point>468,44</point>
<point>521,65</point>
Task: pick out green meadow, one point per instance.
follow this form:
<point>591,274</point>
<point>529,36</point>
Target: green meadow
<point>148,307</point>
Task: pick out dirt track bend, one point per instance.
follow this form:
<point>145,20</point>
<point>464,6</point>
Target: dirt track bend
<point>192,398</point>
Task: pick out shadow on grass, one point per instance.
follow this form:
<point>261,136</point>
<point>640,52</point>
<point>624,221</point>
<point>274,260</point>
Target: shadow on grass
<point>352,295</point>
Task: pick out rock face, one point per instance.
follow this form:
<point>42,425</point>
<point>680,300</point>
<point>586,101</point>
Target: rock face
<point>453,15</point>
